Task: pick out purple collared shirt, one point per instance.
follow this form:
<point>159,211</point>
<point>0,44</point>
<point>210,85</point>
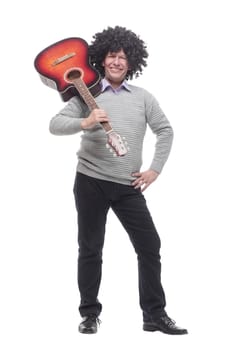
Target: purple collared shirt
<point>107,85</point>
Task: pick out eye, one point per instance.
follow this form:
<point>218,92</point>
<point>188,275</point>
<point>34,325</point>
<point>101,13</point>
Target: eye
<point>111,55</point>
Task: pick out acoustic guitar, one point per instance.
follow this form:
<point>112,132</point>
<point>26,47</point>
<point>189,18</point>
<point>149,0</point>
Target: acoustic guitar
<point>65,66</point>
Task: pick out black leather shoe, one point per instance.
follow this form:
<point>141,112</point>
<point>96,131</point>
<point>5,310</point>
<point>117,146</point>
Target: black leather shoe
<point>89,325</point>
<point>164,324</point>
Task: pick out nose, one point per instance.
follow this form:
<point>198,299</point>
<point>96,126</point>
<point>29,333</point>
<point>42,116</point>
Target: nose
<point>116,60</point>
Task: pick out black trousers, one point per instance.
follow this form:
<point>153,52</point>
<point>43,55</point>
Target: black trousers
<point>93,199</point>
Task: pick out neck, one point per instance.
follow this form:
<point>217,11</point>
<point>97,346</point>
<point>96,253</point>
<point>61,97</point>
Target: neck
<point>114,84</point>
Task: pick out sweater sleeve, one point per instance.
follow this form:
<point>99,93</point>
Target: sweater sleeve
<point>68,120</point>
<point>161,127</point>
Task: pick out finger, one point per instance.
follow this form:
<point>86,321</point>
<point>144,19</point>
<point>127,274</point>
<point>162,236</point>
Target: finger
<point>136,174</point>
<point>103,119</point>
<point>139,183</point>
<point>136,182</point>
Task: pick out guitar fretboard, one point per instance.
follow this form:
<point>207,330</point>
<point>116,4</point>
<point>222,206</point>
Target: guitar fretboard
<point>89,99</point>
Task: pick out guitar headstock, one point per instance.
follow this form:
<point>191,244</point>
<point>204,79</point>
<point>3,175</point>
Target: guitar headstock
<point>117,144</point>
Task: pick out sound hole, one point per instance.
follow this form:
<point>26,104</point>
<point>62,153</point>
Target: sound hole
<point>73,74</point>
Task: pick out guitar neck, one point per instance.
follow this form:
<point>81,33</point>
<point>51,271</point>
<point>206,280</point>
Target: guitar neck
<point>89,100</point>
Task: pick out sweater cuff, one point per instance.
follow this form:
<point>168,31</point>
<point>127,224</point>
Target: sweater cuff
<point>156,166</point>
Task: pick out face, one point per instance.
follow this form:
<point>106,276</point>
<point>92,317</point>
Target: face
<point>116,67</point>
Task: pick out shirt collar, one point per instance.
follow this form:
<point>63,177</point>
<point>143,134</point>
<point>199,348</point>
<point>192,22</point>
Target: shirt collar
<point>106,85</point>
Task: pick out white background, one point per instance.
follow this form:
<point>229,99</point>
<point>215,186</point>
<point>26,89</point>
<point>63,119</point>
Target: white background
<point>190,72</point>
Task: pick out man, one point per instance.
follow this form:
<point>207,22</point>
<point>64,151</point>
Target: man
<point>103,181</point>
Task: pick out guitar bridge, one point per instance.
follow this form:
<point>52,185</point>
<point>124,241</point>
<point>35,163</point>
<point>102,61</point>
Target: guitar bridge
<point>63,58</point>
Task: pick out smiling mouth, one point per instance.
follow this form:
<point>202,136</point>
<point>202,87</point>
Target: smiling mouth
<point>115,70</point>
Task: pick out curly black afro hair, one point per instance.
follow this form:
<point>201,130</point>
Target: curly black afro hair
<point>113,40</point>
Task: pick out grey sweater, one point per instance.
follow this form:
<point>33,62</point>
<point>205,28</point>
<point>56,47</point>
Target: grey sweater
<point>129,111</point>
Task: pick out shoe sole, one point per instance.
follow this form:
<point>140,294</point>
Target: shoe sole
<point>88,331</point>
<point>152,328</point>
